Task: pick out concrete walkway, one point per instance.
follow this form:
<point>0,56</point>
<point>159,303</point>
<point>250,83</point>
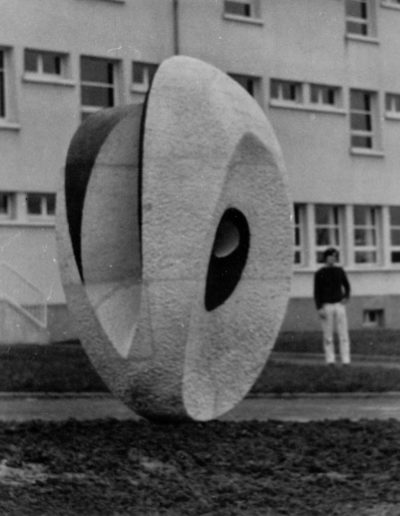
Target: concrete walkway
<point>286,408</point>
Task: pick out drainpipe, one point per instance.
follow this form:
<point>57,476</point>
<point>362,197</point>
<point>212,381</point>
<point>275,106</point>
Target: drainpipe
<point>175,7</point>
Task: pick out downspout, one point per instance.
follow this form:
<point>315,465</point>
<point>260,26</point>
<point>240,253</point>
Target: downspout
<point>175,7</point>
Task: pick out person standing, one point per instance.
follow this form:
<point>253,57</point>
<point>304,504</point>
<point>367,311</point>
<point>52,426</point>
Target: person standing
<point>331,293</point>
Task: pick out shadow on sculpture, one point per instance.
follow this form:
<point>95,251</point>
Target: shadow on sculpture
<point>175,243</point>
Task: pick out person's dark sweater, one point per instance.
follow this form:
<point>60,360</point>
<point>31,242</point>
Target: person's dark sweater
<point>330,286</point>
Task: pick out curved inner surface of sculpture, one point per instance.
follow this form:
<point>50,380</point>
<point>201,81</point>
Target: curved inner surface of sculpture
<point>175,243</point>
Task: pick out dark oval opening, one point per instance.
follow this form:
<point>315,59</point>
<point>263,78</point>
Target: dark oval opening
<point>228,258</point>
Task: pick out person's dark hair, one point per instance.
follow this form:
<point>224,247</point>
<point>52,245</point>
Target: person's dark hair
<point>330,252</point>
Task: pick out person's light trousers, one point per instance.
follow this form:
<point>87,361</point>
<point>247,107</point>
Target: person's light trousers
<point>335,318</point>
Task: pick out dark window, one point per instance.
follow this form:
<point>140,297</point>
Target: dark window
<point>2,87</point>
<point>97,82</point>
<point>238,8</point>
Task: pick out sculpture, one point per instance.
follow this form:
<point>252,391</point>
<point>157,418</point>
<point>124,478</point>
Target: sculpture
<point>175,243</point>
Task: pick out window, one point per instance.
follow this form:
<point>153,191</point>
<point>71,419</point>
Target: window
<point>327,229</point>
<point>286,91</point>
<point>2,86</point>
<point>394,217</point>
<point>251,84</point>
<point>244,8</point>
<point>44,63</point>
<point>392,103</point>
<point>324,95</point>
<point>365,227</point>
<point>358,17</point>
<point>362,119</point>
<point>41,204</point>
<point>97,84</point>
<point>299,240</point>
<point>143,75</point>
<point>374,318</point>
<point>7,205</point>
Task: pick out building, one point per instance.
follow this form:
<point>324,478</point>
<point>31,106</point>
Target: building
<point>327,73</point>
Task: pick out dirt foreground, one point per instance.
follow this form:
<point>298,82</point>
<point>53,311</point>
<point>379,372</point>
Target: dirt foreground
<point>110,467</point>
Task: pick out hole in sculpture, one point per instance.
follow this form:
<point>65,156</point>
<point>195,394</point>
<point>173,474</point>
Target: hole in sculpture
<point>227,239</point>
<point>228,258</point>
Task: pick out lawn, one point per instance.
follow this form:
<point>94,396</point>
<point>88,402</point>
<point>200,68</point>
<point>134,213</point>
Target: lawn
<point>64,367</point>
<point>114,468</point>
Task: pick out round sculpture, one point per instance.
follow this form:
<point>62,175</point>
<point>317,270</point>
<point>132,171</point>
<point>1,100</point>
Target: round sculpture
<point>175,243</point>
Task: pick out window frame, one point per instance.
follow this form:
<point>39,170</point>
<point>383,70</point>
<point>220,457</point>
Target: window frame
<point>10,212</point>
<point>334,227</point>
<point>149,70</point>
<point>45,199</point>
<point>279,85</point>
<point>299,237</point>
<point>390,105</point>
<point>373,318</point>
<point>255,81</point>
<point>374,228</point>
<point>320,89</point>
<point>372,115</point>
<point>40,56</point>
<point>368,21</point>
<point>9,115</point>
<point>88,109</point>
<point>393,248</point>
<point>253,10</point>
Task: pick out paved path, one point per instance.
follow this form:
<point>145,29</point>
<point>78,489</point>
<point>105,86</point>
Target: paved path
<point>305,408</point>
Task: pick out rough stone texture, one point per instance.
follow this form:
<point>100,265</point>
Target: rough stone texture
<point>145,237</point>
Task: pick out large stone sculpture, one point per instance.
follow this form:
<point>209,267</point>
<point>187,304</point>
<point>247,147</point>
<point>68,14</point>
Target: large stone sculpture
<point>175,243</point>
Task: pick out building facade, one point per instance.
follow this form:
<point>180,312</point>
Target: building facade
<point>326,72</point>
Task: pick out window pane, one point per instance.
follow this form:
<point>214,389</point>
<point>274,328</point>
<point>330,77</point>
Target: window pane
<point>395,256</point>
<point>97,96</point>
<point>364,237</point>
<point>238,8</point>
<point>31,61</point>
<point>365,256</point>
<point>328,96</point>
<point>360,101</point>
<point>289,91</point>
<point>322,214</point>
<point>395,215</point>
<point>138,73</point>
<point>2,95</point>
<point>314,94</point>
<point>357,28</point>
<point>361,122</point>
<point>356,9</point>
<point>363,142</point>
<point>393,103</point>
<point>246,82</point>
<point>51,204</point>
<point>96,70</point>
<point>322,236</point>
<point>34,204</point>
<point>360,215</point>
<point>4,203</point>
<point>395,237</point>
<point>51,63</point>
<point>297,235</point>
<point>274,89</point>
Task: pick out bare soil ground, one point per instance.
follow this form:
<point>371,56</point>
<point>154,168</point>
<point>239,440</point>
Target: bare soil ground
<point>115,468</point>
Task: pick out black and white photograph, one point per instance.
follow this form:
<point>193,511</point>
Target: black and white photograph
<point>199,258</point>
